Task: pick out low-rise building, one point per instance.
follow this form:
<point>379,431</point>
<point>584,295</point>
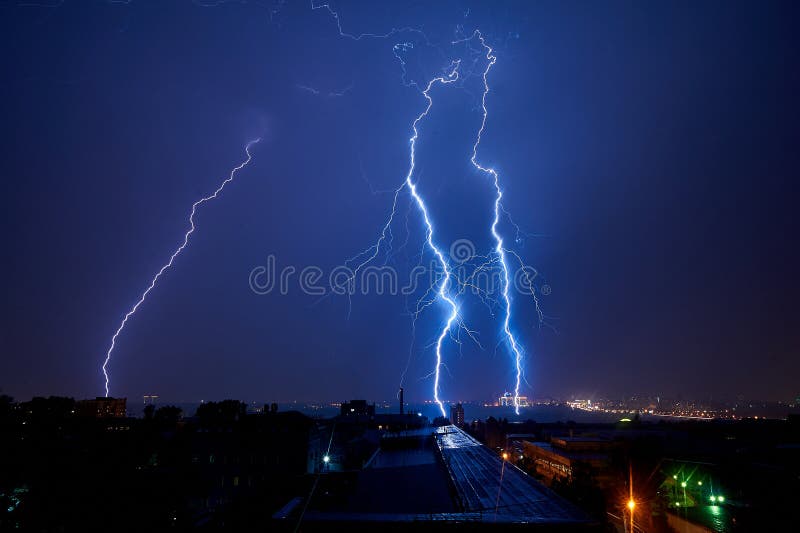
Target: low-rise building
<point>560,458</point>
<point>102,407</point>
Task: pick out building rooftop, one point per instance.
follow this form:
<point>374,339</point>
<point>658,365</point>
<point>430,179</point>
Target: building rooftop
<point>438,477</point>
<point>497,490</point>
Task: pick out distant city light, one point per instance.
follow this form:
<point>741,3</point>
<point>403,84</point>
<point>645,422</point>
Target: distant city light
<point>720,499</point>
<point>326,459</point>
<point>683,484</point>
<point>700,483</point>
<point>713,498</point>
<point>631,504</point>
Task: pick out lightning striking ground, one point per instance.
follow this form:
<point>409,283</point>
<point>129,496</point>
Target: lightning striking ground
<point>499,249</point>
<point>499,254</point>
<point>408,183</point>
<point>175,254</point>
<point>445,284</point>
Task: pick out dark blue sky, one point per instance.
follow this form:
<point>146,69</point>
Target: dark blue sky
<point>651,148</point>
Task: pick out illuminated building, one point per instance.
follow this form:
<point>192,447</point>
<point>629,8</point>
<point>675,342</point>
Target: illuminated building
<point>150,399</point>
<point>563,456</point>
<point>507,400</point>
<point>457,415</point>
<point>102,407</point>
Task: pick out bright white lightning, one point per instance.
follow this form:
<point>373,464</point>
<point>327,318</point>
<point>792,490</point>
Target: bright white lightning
<point>499,249</point>
<point>501,252</point>
<point>173,256</point>
<point>443,288</point>
<point>372,251</point>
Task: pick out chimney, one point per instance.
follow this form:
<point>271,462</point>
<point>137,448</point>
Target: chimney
<point>401,400</point>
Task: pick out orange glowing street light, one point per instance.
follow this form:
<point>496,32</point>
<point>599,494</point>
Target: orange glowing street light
<point>505,456</point>
<point>631,504</point>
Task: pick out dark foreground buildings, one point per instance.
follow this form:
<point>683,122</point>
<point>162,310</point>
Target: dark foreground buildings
<point>77,466</point>
<point>684,475</point>
<point>223,468</point>
<point>62,469</point>
<point>432,478</point>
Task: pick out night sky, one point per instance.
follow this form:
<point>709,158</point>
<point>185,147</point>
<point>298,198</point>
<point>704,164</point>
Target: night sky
<point>648,149</point>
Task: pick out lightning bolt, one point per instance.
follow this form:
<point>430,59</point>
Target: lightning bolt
<point>499,248</point>
<point>500,252</point>
<point>175,254</point>
<point>360,36</point>
<point>408,183</point>
<point>445,284</point>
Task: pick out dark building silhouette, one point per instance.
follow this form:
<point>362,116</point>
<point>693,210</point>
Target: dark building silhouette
<point>360,414</point>
<point>221,469</point>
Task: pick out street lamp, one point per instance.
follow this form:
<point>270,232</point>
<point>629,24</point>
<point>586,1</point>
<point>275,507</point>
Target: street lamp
<point>326,459</point>
<point>683,484</point>
<point>505,456</point>
<point>631,504</point>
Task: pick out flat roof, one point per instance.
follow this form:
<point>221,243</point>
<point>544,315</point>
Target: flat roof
<point>414,485</point>
<point>496,489</point>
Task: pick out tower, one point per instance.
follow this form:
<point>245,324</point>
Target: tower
<point>457,415</point>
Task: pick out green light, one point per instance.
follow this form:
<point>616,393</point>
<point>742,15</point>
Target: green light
<point>677,504</point>
<point>713,498</point>
<point>720,499</point>
<point>700,483</point>
<point>683,484</point>
<point>675,476</point>
<point>625,420</point>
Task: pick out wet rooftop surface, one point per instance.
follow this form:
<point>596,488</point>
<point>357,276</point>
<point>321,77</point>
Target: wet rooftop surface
<point>490,486</point>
